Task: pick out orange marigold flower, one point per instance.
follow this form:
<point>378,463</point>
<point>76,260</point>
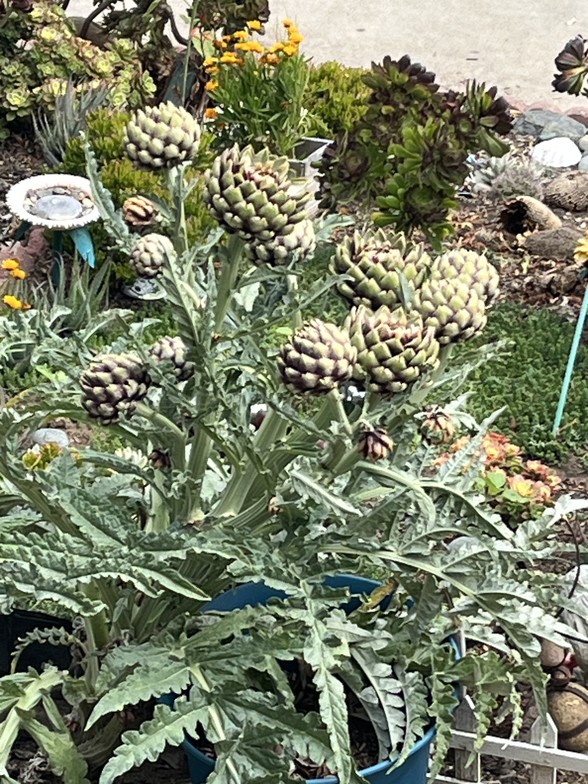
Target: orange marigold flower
<point>18,273</point>
<point>12,302</point>
<point>10,264</point>
<point>254,24</point>
<point>211,86</point>
<point>211,113</point>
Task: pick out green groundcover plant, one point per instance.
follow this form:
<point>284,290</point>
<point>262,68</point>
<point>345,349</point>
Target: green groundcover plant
<point>247,465</point>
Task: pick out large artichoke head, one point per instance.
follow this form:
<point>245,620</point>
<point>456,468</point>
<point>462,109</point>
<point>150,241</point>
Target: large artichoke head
<point>251,194</point>
<point>393,349</point>
<point>149,255</point>
<point>317,359</point>
<point>171,352</point>
<point>297,238</point>
<point>162,136</point>
<point>453,308</point>
<point>468,266</point>
<point>381,266</point>
<point>112,385</point>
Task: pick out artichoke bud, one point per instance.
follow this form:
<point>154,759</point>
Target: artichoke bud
<point>172,350</point>
<point>112,385</point>
<point>437,427</point>
<point>375,444</point>
<point>471,267</point>
<point>317,359</point>
<point>160,459</point>
<point>162,136</point>
<point>149,255</point>
<point>453,308</point>
<point>139,212</point>
<point>393,349</point>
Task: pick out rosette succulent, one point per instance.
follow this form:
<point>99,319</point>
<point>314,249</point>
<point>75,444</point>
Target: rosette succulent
<point>471,267</point>
<point>149,253</point>
<point>380,265</point>
<point>112,385</point>
<point>172,351</point>
<point>453,308</point>
<point>393,349</point>
<point>162,136</point>
<point>572,63</point>
<point>297,238</point>
<point>317,359</point>
<point>251,194</point>
<point>139,212</point>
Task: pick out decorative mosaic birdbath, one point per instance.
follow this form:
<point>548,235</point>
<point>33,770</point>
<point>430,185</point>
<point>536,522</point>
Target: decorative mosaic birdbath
<point>61,202</point>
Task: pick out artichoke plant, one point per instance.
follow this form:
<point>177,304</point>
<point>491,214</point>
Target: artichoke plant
<point>162,136</point>
<point>469,267</point>
<point>453,308</point>
<point>112,385</point>
<point>380,267</point>
<point>149,253</point>
<point>251,194</point>
<point>139,212</point>
<point>393,349</point>
<point>317,359</point>
<point>375,444</point>
<point>173,350</point>
<point>298,238</point>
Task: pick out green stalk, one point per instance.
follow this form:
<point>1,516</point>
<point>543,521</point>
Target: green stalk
<point>292,289</point>
<point>272,429</point>
<point>200,450</point>
<point>228,278</point>
<point>175,184</point>
<point>188,51</point>
<point>173,438</point>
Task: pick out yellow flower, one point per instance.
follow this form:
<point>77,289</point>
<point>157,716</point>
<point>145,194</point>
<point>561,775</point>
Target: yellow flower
<point>18,273</point>
<point>276,47</point>
<point>241,35</point>
<point>219,44</point>
<point>211,114</point>
<point>251,46</point>
<point>255,24</point>
<point>581,252</point>
<point>290,50</point>
<point>210,86</point>
<point>287,23</point>
<point>294,37</point>
<point>12,302</point>
<point>212,71</point>
<point>10,264</point>
<point>270,59</point>
<point>229,57</point>
<point>210,61</point>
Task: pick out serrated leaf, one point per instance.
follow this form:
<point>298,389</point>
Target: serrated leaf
<point>304,484</point>
<point>64,758</point>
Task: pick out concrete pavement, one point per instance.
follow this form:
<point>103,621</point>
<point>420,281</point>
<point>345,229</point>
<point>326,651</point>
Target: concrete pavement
<point>511,43</point>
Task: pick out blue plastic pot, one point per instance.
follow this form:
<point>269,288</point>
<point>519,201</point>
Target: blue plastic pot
<point>412,771</point>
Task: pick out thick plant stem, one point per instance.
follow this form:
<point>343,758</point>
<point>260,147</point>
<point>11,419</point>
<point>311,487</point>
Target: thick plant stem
<point>228,278</point>
<point>273,428</point>
<point>172,437</point>
<point>200,450</point>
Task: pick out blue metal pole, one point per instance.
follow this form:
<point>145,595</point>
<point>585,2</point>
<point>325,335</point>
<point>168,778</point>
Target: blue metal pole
<point>563,396</point>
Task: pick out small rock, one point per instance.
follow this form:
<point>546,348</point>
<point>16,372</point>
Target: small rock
<point>553,243</point>
<point>546,124</point>
<point>557,153</point>
<point>583,143</point>
<point>50,435</point>
<point>568,191</point>
<point>580,115</point>
<point>583,165</point>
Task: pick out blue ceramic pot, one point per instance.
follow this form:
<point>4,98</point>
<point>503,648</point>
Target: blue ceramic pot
<point>414,768</point>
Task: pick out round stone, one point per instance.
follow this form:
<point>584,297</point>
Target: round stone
<point>557,153</point>
<point>58,207</point>
<point>50,435</point>
<point>583,143</point>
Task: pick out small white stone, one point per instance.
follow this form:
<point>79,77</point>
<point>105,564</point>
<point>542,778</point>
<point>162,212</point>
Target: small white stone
<point>557,153</point>
<point>50,435</point>
<point>583,165</point>
<point>583,143</point>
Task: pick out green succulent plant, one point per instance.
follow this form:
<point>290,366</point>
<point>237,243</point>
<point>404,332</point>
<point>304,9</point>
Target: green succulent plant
<point>338,97</point>
<point>36,67</point>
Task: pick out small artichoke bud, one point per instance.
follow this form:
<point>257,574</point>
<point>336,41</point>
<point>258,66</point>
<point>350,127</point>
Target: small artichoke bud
<point>173,350</point>
<point>437,427</point>
<point>160,459</point>
<point>139,212</point>
<point>112,385</point>
<point>375,444</point>
<point>149,255</point>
